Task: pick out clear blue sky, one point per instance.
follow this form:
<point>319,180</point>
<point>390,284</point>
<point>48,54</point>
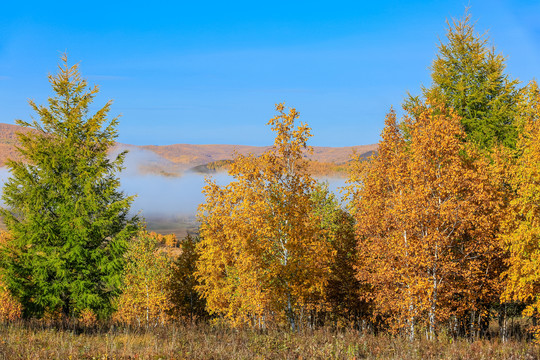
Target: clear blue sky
<point>210,72</point>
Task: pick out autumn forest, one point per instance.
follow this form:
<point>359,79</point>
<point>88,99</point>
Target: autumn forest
<point>435,239</point>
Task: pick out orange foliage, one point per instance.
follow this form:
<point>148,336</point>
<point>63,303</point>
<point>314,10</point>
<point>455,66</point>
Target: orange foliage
<point>427,214</point>
<point>87,318</point>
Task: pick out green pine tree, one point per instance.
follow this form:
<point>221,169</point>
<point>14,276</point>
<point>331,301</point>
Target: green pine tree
<point>64,210</point>
<point>469,76</point>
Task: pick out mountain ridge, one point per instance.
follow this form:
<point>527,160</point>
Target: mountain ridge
<point>175,158</point>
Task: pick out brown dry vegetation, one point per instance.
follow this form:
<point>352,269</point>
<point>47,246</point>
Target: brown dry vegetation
<point>34,341</point>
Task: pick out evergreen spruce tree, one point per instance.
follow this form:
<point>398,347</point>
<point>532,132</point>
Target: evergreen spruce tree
<point>67,217</point>
<point>469,77</point>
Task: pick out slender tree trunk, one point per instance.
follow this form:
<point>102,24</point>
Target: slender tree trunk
<point>433,307</point>
<point>503,321</point>
<point>411,321</point>
<point>147,305</point>
<point>411,305</point>
<point>471,325</point>
<point>290,312</point>
<point>432,311</point>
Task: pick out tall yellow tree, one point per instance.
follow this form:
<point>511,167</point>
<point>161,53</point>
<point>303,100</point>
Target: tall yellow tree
<point>262,260</point>
<point>468,75</point>
<point>522,226</point>
<point>426,212</point>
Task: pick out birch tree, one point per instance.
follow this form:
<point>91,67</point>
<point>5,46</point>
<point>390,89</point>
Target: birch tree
<point>426,213</point>
<point>261,259</point>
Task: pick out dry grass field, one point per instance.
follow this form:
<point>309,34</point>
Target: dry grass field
<point>33,341</point>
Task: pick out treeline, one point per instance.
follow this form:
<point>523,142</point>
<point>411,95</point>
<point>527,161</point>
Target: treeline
<point>438,232</point>
<point>316,168</point>
<point>158,286</point>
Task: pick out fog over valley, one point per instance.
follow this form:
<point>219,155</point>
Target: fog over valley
<point>167,181</point>
<point>168,202</point>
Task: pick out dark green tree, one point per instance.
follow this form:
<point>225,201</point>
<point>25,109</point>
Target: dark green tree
<point>468,75</point>
<point>63,208</point>
<point>186,301</point>
<point>343,292</point>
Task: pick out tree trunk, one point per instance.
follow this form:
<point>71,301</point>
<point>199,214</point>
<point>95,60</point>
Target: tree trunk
<point>147,306</point>
<point>503,322</point>
<point>411,322</point>
<point>290,313</point>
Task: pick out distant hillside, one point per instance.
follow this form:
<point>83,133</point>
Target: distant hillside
<point>171,160</point>
<point>8,142</point>
<point>195,155</point>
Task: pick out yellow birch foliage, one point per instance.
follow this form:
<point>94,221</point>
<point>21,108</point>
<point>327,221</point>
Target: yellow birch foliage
<point>262,260</point>
<point>10,309</point>
<point>145,299</point>
<point>522,226</point>
<point>426,213</point>
<point>168,240</point>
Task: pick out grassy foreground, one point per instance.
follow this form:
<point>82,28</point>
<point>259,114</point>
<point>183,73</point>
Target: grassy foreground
<point>31,341</point>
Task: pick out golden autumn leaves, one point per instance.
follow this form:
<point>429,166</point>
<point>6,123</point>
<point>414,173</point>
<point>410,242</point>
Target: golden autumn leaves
<point>262,259</point>
<point>10,309</point>
<point>521,234</point>
<point>444,230</point>
<point>426,227</point>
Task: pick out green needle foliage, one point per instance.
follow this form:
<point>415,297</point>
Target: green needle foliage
<point>68,219</point>
<point>469,76</point>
